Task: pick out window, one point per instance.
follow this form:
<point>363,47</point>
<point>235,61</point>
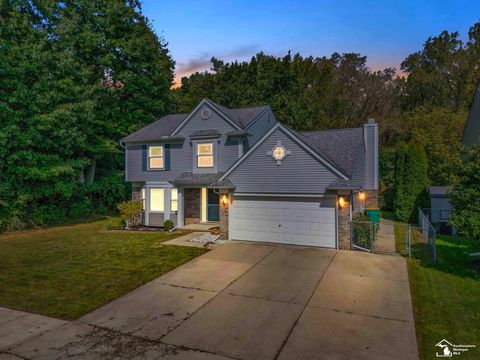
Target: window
<point>155,157</point>
<point>174,201</point>
<point>205,155</point>
<point>143,198</point>
<point>278,153</point>
<point>157,199</point>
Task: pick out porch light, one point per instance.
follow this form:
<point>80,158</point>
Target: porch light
<point>362,196</point>
<point>341,202</point>
<point>225,199</point>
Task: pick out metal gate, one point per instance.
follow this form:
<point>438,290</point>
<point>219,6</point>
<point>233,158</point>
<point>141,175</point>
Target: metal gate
<point>363,235</point>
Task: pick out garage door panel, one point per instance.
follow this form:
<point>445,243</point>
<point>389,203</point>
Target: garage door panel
<point>288,222</point>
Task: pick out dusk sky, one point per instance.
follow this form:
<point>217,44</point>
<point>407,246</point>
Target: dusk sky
<point>385,31</point>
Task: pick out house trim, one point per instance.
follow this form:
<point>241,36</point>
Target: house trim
<point>258,117</point>
<point>203,102</point>
<point>285,195</point>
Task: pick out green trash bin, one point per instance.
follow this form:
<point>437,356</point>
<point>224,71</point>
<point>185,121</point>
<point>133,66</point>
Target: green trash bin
<point>373,215</point>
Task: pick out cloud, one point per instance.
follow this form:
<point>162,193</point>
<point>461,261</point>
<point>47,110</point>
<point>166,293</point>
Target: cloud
<point>202,61</point>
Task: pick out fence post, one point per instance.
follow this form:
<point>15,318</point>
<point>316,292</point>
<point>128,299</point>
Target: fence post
<point>409,241</point>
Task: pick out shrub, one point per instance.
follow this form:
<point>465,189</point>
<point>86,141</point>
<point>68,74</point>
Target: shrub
<point>131,212</point>
<point>168,225</point>
<point>411,182</point>
<point>465,196</point>
<point>361,230</point>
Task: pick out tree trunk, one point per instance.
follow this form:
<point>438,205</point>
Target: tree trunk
<point>90,173</point>
<point>81,177</point>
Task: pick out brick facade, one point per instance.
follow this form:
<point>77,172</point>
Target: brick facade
<point>344,225</point>
<point>370,202</point>
<point>192,206</point>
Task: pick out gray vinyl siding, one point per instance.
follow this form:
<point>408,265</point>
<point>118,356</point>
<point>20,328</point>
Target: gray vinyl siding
<point>371,157</point>
<point>260,127</point>
<point>299,173</point>
<point>182,154</point>
<point>173,217</point>
<point>156,219</point>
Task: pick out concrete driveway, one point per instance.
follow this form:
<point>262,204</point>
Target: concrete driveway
<point>256,301</point>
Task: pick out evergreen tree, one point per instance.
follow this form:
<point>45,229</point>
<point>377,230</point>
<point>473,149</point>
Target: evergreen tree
<point>399,178</point>
<point>465,196</point>
<point>412,191</point>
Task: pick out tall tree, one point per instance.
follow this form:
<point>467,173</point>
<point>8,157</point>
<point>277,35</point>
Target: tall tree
<point>465,196</point>
<point>75,76</point>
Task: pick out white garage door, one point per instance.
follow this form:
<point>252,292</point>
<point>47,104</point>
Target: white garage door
<point>287,222</point>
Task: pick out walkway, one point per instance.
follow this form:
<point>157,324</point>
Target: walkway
<point>385,240</point>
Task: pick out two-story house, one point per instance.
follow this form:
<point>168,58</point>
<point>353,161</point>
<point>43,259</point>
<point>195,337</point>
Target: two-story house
<point>256,178</point>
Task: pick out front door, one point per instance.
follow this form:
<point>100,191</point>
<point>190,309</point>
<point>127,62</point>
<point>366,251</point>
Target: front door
<point>213,206</point>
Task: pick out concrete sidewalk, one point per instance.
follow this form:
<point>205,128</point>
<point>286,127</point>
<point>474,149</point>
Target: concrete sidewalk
<point>385,238</point>
<point>242,301</point>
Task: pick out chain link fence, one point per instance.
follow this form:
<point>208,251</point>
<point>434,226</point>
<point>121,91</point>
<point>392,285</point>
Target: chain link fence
<point>362,235</point>
<point>428,234</point>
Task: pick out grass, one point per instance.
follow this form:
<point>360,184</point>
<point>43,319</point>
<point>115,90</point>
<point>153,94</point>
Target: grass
<point>67,271</point>
<point>445,296</point>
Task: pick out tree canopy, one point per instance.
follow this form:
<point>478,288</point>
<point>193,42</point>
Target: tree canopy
<point>75,77</point>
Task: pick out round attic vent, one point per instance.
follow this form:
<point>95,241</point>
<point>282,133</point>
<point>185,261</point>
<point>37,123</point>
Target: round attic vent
<point>205,114</point>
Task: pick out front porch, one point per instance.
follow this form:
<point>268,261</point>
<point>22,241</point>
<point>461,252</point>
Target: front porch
<point>200,227</point>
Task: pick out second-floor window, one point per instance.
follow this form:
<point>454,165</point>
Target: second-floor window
<point>205,155</point>
<point>155,157</point>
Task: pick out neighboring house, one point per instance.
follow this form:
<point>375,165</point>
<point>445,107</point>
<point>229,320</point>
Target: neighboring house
<point>440,208</point>
<point>256,178</point>
<point>471,132</point>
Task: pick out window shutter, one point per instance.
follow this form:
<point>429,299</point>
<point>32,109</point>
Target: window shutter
<point>167,156</point>
<point>144,158</point>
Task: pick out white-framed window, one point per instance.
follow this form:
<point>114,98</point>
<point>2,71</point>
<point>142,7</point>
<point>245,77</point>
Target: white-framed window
<point>157,200</point>
<point>155,157</point>
<point>174,200</point>
<point>143,198</point>
<point>205,155</point>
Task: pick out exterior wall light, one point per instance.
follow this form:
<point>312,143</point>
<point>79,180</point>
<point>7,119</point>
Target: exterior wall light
<point>341,202</point>
<point>225,199</point>
<point>362,196</point>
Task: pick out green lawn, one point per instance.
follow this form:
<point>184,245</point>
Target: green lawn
<point>68,271</point>
<point>446,296</point>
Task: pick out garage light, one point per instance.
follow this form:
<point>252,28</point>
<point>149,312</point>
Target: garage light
<point>225,199</point>
<point>362,196</point>
<point>341,202</point>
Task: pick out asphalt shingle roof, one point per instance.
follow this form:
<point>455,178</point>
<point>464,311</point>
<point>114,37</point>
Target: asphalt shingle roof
<point>208,180</point>
<point>161,128</point>
<point>165,126</point>
<point>243,116</point>
<point>341,147</point>
<point>201,133</point>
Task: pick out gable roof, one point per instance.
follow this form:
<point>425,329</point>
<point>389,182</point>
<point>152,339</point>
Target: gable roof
<point>316,152</point>
<point>157,130</point>
<point>170,124</point>
<point>241,116</point>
